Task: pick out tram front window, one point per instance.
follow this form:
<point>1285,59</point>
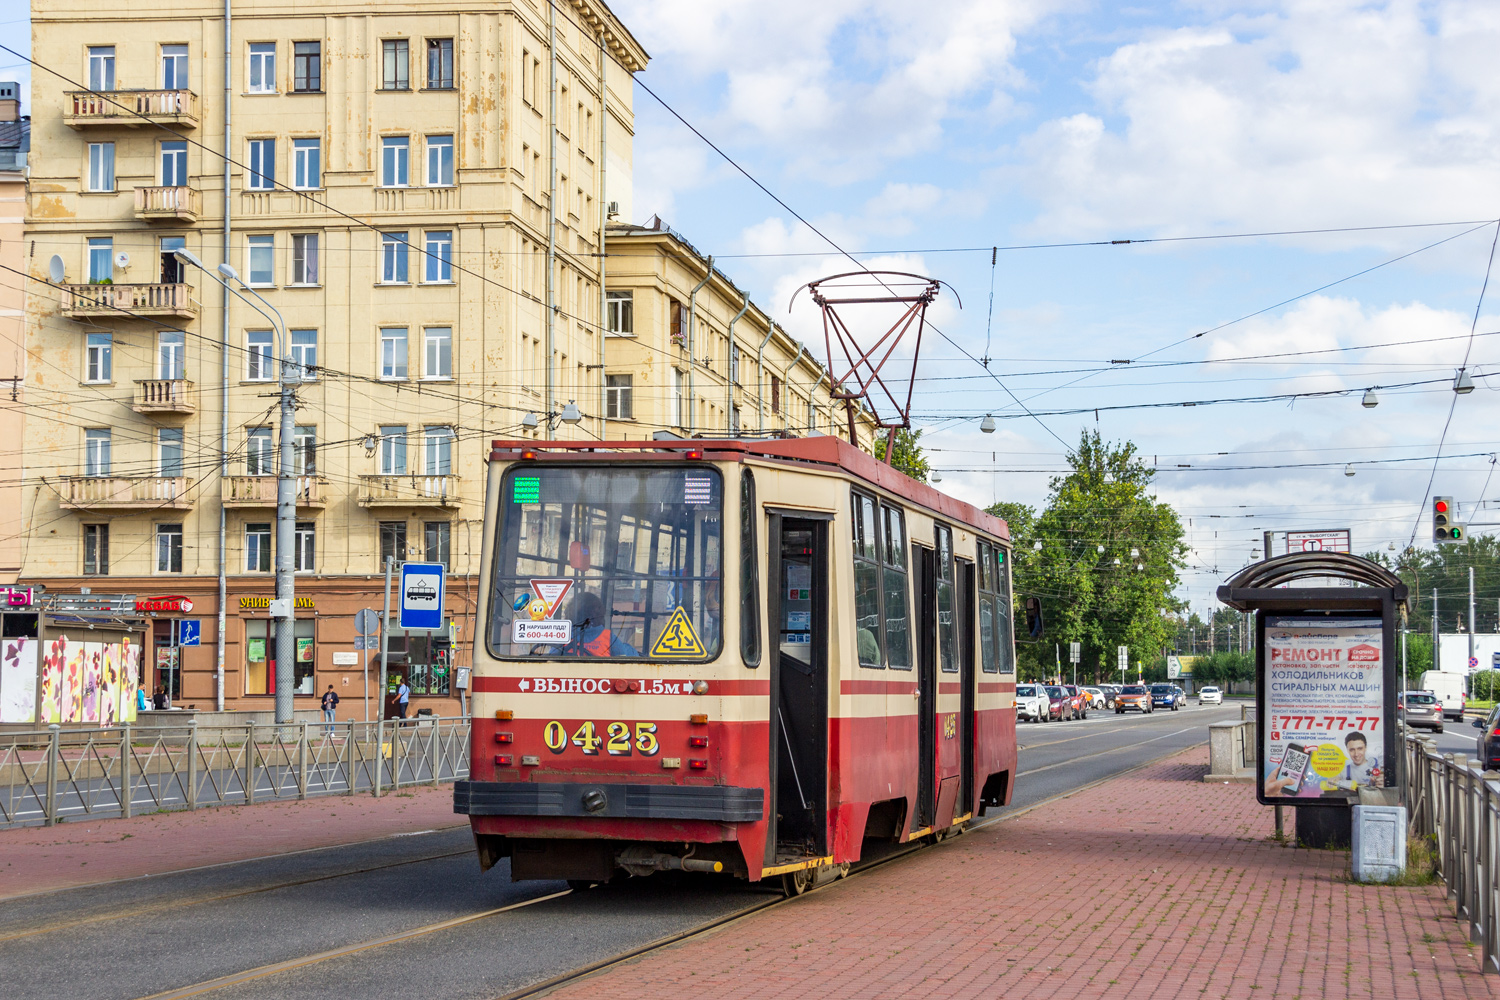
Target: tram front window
<point>608,562</point>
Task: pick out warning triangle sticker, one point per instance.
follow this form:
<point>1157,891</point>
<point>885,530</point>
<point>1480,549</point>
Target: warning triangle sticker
<point>551,592</point>
<point>678,639</point>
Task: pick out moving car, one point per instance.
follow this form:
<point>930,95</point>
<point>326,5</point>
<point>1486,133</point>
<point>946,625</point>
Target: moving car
<point>1133,696</point>
<point>1080,700</point>
<point>1449,689</point>
<point>1032,702</point>
<point>1210,695</point>
<point>1096,697</point>
<point>1166,696</point>
<point>1420,709</point>
<point>1060,703</point>
<point>1110,690</point>
<point>1489,740</point>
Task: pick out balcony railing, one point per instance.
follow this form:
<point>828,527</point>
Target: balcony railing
<point>164,395</point>
<point>126,493</point>
<point>260,491</point>
<point>408,491</point>
<point>121,301</point>
<point>171,204</point>
<point>84,108</point>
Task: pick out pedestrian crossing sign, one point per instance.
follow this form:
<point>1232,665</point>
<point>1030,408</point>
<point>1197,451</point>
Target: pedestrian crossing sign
<point>678,640</point>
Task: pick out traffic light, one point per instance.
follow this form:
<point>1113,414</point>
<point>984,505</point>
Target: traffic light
<point>1444,527</point>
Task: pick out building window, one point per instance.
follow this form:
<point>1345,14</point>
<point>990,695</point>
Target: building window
<point>679,400</point>
<point>393,450</point>
<point>305,353</point>
<point>439,255</point>
<point>775,394</point>
<point>258,363</point>
<point>677,321</point>
<point>96,459</point>
<point>734,421</point>
<point>174,164</point>
<point>258,452</point>
<point>393,248</point>
<point>174,67</point>
<point>439,351</point>
<point>101,67</point>
<point>617,397</point>
<point>305,451</point>
<point>437,537</point>
<point>307,66</point>
<point>101,166</point>
<point>307,163</point>
<point>262,164</point>
<point>619,313</point>
<point>439,64</point>
<point>258,547</point>
<point>101,258</point>
<point>392,541</point>
<point>304,258</point>
<point>734,363</point>
<point>437,451</point>
<point>96,549</point>
<point>262,259</point>
<point>173,271</point>
<point>395,160</point>
<point>396,63</point>
<point>304,547</point>
<point>169,452</point>
<point>169,548</point>
<point>440,161</point>
<point>99,359</point>
<point>393,352</point>
<point>171,355</point>
<point>262,68</point>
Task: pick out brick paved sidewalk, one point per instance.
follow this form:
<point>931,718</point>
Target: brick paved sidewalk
<point>82,852</point>
<point>1150,885</point>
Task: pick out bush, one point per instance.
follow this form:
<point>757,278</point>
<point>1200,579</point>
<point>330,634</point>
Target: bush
<point>1484,685</point>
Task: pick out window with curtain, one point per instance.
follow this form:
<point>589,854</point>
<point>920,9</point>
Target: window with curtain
<point>439,344</point>
<point>619,313</point>
<point>304,258</point>
<point>395,64</point>
<point>307,66</point>
<point>101,166</point>
<point>258,547</point>
<point>101,258</point>
<point>96,451</point>
<point>439,64</point>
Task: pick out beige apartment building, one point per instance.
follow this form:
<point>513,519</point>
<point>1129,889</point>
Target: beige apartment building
<point>389,181</point>
<point>15,140</point>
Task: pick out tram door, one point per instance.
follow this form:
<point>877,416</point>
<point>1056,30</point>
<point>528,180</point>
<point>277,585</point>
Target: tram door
<point>968,592</point>
<point>926,564</point>
<point>798,606</point>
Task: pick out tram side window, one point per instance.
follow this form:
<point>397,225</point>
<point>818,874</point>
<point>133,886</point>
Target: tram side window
<point>749,574</point>
<point>893,589</point>
<point>867,581</point>
<point>947,626</point>
<point>1005,643</point>
<point>987,642</point>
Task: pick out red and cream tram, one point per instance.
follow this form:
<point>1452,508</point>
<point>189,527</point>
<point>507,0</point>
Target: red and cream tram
<point>724,655</point>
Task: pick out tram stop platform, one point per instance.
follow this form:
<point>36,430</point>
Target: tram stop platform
<point>1152,884</point>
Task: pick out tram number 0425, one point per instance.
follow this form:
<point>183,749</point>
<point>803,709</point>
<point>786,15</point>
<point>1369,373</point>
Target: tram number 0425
<point>617,738</point>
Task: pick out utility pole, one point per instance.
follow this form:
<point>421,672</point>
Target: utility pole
<point>1469,664</point>
<point>1435,659</point>
<point>286,524</point>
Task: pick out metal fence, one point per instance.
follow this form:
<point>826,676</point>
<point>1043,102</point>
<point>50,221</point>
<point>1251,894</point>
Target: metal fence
<point>1457,803</point>
<point>62,774</point>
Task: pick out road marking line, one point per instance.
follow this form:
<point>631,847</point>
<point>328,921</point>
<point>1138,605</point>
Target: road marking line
<point>260,972</point>
<point>1128,746</point>
<point>1070,739</point>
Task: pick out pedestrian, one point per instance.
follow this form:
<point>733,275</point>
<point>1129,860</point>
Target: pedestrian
<point>140,700</point>
<point>403,695</point>
<point>330,705</point>
<point>159,699</point>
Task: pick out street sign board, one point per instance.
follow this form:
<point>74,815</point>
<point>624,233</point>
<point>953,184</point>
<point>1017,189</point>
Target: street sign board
<point>1333,540</point>
<point>422,586</point>
<point>189,632</point>
<point>1122,654</point>
<point>1075,652</point>
<point>1174,668</point>
<point>367,622</point>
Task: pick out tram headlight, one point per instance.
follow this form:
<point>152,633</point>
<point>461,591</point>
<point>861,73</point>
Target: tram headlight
<point>700,687</point>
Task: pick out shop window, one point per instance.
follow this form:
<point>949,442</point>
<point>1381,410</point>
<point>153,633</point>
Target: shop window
<point>260,656</point>
<point>425,662</point>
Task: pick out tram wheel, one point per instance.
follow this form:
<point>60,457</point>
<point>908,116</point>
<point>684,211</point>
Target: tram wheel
<point>842,870</point>
<point>796,883</point>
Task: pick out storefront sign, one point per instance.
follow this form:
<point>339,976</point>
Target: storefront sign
<point>1324,723</point>
<point>18,597</point>
<point>175,602</point>
<point>263,603</point>
<point>343,659</point>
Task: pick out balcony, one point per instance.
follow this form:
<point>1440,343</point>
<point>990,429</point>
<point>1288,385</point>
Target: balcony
<point>164,395</point>
<point>83,108</point>
<point>408,491</point>
<point>260,491</point>
<point>124,301</point>
<point>168,204</point>
<point>125,493</point>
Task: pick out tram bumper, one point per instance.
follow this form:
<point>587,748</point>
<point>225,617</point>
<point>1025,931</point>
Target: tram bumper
<point>711,803</point>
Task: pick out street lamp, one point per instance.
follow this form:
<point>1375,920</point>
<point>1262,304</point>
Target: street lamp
<point>286,506</point>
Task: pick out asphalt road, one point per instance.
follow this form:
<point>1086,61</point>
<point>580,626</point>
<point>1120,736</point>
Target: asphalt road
<point>165,933</point>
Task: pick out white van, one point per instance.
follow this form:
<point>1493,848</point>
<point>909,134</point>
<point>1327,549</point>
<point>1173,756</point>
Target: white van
<point>1449,689</point>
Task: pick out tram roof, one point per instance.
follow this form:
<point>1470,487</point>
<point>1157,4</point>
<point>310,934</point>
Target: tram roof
<point>827,451</point>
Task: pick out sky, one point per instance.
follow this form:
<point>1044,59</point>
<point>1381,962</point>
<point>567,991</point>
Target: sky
<point>920,136</point>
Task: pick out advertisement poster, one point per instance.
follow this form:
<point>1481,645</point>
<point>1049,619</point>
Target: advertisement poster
<point>18,680</point>
<point>1324,725</point>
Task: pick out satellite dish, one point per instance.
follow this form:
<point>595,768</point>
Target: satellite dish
<point>55,269</point>
<point>122,259</point>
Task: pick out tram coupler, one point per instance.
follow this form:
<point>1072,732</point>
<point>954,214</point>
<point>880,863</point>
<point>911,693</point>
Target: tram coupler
<point>638,859</point>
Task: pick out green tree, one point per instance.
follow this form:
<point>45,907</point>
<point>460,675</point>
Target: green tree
<point>908,456</point>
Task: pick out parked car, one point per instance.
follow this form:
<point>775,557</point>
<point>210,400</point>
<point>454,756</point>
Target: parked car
<point>1032,702</point>
<point>1133,696</point>
<point>1080,699</point>
<point>1166,696</point>
<point>1060,705</point>
<point>1420,709</point>
<point>1489,739</point>
<point>1110,691</point>
<point>1210,695</point>
<point>1096,697</point>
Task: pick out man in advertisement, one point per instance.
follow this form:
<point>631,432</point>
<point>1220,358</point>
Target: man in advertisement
<point>1364,767</point>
